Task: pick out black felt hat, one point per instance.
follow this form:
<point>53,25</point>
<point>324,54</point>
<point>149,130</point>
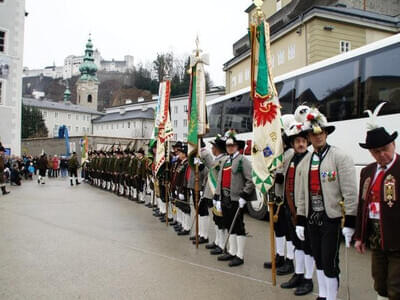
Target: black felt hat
<point>378,137</point>
<point>219,143</point>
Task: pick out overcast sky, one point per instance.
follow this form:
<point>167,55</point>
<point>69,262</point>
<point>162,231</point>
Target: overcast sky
<point>55,29</point>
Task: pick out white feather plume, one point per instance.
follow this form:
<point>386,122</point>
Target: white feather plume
<point>373,116</point>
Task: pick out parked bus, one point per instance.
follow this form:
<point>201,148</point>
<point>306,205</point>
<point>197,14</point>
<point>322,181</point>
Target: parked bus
<point>342,87</point>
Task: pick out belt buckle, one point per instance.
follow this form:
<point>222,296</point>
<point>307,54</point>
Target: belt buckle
<point>226,192</point>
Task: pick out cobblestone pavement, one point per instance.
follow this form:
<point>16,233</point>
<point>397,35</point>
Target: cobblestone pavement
<point>63,242</point>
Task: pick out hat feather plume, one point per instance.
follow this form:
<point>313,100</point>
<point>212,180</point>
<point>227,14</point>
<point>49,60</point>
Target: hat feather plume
<point>372,122</point>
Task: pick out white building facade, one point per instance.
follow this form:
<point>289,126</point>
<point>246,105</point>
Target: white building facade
<point>76,118</point>
<point>12,20</point>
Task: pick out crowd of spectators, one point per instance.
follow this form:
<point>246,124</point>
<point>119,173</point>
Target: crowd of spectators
<point>25,167</point>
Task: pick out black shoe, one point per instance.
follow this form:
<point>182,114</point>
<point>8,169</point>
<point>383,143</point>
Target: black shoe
<point>184,232</point>
<point>156,214</point>
<point>226,257</point>
<point>5,192</point>
<point>178,228</point>
<point>38,181</point>
<point>236,261</point>
<point>162,220</point>
<point>72,184</point>
<point>201,241</point>
<point>173,223</point>
<point>170,220</point>
<point>321,298</point>
<point>305,287</point>
<point>279,261</point>
<point>148,205</point>
<point>286,269</point>
<point>77,182</point>
<point>211,246</point>
<point>216,251</point>
<point>293,282</point>
<point>193,238</point>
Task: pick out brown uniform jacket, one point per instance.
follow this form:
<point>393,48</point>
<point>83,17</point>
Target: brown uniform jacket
<point>389,209</point>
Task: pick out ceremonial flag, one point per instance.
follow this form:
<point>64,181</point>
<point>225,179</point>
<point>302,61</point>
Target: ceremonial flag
<point>197,111</point>
<point>267,150</point>
<point>84,148</point>
<point>163,126</point>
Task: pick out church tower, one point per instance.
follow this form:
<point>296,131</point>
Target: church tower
<point>88,84</point>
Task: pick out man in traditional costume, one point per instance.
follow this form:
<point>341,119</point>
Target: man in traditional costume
<point>378,219</point>
<point>327,185</point>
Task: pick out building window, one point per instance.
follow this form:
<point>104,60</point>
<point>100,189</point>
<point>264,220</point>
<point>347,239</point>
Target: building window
<point>134,124</point>
<point>175,109</point>
<point>88,117</point>
<point>69,116</point>
<point>44,114</point>
<point>345,46</point>
<point>89,98</point>
<point>2,41</point>
<point>278,5</point>
<point>281,57</point>
<point>175,123</point>
<point>247,75</point>
<point>56,114</point>
<point>291,52</point>
<point>185,108</point>
<point>240,78</point>
<point>185,122</point>
<point>1,92</point>
<point>233,81</point>
<point>129,124</point>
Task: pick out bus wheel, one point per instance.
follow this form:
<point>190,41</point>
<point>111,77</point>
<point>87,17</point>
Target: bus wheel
<point>257,209</point>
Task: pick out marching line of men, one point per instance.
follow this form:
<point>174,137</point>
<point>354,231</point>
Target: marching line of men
<point>316,200</point>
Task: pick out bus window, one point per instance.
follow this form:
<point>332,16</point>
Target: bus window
<point>286,95</point>
<point>214,116</point>
<point>334,90</point>
<point>381,81</point>
<point>238,114</point>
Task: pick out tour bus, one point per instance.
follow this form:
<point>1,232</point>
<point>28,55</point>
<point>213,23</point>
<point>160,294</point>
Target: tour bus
<point>342,87</point>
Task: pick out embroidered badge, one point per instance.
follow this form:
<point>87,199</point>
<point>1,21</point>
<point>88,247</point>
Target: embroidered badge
<point>365,188</point>
<point>389,191</point>
<point>267,152</point>
<point>332,176</point>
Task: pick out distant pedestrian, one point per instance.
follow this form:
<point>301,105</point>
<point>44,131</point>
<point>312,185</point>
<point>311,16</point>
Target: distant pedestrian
<point>2,179</point>
<point>42,166</point>
<point>56,166</point>
<point>73,166</point>
<point>31,170</point>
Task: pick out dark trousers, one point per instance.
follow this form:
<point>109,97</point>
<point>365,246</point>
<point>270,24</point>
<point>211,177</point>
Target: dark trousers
<point>386,273</point>
<point>281,226</point>
<point>203,207</point>
<point>229,209</point>
<point>325,243</point>
<point>73,172</point>
<point>292,236</point>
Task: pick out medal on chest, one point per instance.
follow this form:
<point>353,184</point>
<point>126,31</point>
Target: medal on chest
<point>389,190</point>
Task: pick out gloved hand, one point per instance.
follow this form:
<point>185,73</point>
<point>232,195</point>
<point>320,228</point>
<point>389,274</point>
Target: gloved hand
<point>218,206</point>
<point>215,203</point>
<point>197,161</point>
<point>300,232</point>
<point>181,197</point>
<point>201,193</point>
<point>242,202</point>
<point>348,234</point>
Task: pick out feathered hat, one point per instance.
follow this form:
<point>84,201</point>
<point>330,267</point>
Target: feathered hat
<point>316,122</point>
<point>377,136</point>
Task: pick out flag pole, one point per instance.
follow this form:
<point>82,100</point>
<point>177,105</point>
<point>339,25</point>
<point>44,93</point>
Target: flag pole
<point>197,193</point>
<point>271,236</point>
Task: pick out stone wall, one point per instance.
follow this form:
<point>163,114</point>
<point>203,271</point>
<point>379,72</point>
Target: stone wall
<point>57,146</point>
